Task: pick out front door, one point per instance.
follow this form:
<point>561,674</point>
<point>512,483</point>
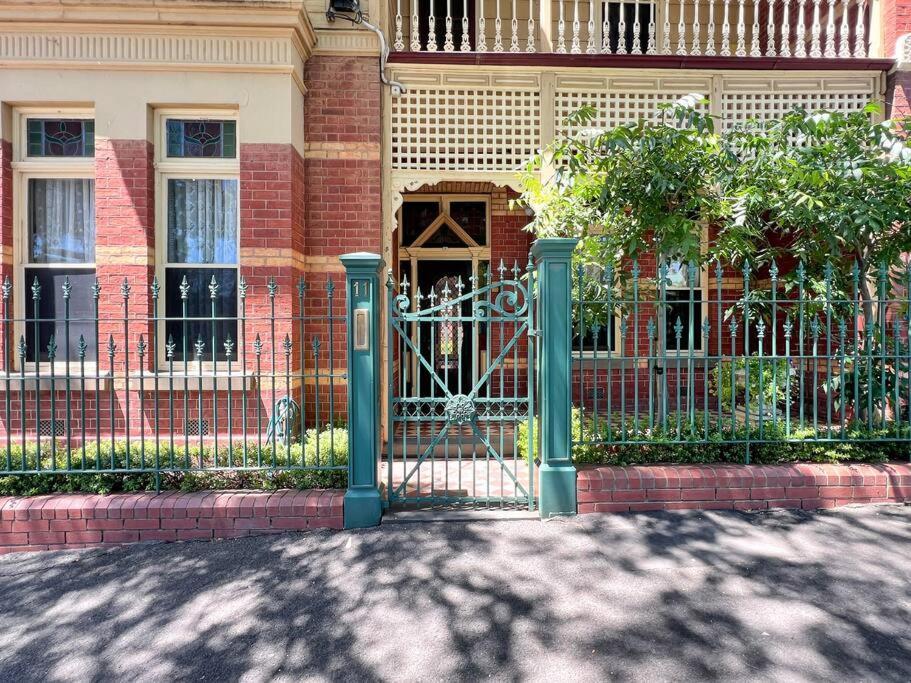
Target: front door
<point>448,346</point>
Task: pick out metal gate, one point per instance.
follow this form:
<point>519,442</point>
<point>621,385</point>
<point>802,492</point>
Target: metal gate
<point>459,363</point>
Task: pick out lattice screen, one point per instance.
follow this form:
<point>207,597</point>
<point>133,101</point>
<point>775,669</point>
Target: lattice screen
<point>742,106</point>
<point>612,107</point>
<point>472,121</point>
<point>456,128</point>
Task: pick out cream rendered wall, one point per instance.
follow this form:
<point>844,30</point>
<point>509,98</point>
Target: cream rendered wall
<point>270,105</point>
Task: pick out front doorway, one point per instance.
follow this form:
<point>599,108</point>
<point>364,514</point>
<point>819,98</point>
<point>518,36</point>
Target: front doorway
<point>458,335</point>
<point>443,252</point>
<point>449,347</point>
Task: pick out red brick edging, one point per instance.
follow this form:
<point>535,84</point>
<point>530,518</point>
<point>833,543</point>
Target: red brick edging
<point>59,522</point>
<point>739,487</point>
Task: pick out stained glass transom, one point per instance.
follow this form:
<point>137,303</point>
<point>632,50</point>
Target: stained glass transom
<point>60,137</point>
<point>201,139</point>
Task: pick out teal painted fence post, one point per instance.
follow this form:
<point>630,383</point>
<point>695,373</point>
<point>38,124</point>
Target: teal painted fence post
<point>557,475</point>
<point>362,286</point>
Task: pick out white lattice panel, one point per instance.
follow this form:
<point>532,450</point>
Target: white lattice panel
<point>470,121</point>
<point>737,107</point>
<point>612,107</point>
<point>465,128</point>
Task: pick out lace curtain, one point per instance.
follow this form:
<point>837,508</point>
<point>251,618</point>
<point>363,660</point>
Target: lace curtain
<point>202,221</point>
<point>61,220</point>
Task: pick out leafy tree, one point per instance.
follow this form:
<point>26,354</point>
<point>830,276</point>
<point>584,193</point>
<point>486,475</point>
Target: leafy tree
<point>642,187</point>
<point>829,189</point>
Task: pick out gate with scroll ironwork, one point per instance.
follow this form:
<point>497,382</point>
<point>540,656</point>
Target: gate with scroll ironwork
<point>460,391</point>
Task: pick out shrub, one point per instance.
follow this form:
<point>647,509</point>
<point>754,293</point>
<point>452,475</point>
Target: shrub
<point>725,444</point>
<point>770,382</point>
<point>181,468</point>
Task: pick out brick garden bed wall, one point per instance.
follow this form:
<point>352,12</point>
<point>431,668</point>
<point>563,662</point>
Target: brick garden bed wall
<point>78,521</point>
<point>740,487</point>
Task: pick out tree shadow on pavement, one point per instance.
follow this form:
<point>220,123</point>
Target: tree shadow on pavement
<point>644,597</point>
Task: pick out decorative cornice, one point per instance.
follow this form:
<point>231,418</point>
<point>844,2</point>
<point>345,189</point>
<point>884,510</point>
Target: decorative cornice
<point>346,42</point>
<point>259,34</point>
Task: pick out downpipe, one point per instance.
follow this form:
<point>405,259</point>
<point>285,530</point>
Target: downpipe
<point>359,20</point>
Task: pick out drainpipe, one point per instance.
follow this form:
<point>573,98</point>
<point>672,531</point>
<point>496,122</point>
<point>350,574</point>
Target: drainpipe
<point>358,19</point>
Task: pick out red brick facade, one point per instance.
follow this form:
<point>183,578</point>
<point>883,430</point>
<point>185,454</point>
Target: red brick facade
<point>342,200</point>
<point>343,131</point>
<point>272,201</point>
<point>298,213</point>
<point>124,241</point>
<point>897,22</point>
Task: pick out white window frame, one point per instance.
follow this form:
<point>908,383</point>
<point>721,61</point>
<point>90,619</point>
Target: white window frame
<point>582,355</point>
<point>670,350</point>
<point>172,168</point>
<point>26,168</point>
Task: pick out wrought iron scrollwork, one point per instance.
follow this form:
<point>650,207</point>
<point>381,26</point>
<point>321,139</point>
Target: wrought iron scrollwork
<point>511,302</point>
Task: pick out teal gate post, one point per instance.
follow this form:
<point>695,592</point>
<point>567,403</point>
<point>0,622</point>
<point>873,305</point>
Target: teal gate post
<point>362,500</point>
<point>557,475</point>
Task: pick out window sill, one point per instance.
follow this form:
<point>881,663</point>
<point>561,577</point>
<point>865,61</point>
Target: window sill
<point>179,381</point>
<point>30,381</point>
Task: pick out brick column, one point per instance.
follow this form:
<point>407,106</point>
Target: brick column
<point>124,237</point>
<point>897,23</point>
<point>271,248</point>
<point>124,252</point>
<point>343,132</point>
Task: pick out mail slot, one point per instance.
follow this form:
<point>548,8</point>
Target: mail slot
<point>361,329</point>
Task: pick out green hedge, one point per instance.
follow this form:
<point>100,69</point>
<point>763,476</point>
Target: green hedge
<point>86,479</point>
<point>667,446</point>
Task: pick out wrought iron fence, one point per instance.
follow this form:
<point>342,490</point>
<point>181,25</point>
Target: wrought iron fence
<point>740,357</point>
<point>213,375</point>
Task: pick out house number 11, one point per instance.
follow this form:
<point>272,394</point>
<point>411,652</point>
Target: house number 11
<point>361,289</point>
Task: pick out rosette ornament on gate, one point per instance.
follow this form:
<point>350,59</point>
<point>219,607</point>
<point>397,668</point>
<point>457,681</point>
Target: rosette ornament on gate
<point>460,409</point>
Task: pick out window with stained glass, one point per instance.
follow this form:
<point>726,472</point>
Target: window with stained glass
<point>60,137</point>
<point>472,218</point>
<point>201,138</point>
<point>421,212</point>
<point>56,252</point>
<point>416,218</point>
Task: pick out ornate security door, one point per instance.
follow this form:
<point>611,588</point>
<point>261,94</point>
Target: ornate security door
<point>460,360</point>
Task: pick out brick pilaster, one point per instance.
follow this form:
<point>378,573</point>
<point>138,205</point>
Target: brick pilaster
<point>897,22</point>
<point>271,244</point>
<point>343,133</point>
<point>124,242</point>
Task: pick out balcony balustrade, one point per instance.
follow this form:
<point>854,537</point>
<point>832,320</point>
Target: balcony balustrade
<point>799,29</point>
